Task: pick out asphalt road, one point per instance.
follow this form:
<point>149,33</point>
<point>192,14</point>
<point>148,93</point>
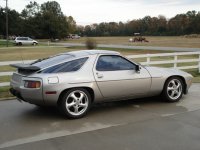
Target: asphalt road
<point>134,47</point>
<point>135,124</point>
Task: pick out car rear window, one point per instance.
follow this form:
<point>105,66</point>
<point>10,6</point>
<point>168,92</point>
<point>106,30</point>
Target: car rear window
<point>46,62</point>
<point>70,66</point>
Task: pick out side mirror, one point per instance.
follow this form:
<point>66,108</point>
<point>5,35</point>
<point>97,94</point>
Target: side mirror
<point>137,68</point>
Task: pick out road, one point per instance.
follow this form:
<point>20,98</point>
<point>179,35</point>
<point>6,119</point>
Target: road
<point>135,124</point>
<point>133,47</point>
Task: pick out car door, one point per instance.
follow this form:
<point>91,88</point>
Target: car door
<point>30,41</point>
<point>117,77</point>
<point>24,41</point>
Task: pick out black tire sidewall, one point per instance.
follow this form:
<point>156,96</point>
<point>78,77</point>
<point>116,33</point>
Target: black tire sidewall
<point>165,94</point>
<point>63,108</point>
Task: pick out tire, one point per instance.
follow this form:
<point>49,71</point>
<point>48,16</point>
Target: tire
<point>34,43</point>
<point>73,106</point>
<point>173,89</point>
<point>20,44</point>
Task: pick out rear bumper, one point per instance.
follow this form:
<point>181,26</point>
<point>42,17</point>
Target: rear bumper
<point>27,95</point>
<point>31,95</point>
<point>17,94</point>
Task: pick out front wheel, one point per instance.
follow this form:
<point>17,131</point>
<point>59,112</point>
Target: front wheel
<point>173,89</point>
<point>75,103</point>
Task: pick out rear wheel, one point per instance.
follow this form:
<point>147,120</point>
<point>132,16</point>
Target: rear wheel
<point>75,103</point>
<point>173,89</point>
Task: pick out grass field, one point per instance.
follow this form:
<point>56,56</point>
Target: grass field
<point>165,41</point>
<point>29,53</point>
<point>41,52</point>
<point>4,92</point>
<point>3,43</point>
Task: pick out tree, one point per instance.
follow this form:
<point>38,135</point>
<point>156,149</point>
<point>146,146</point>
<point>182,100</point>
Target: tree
<point>32,9</point>
<point>54,23</point>
<point>71,24</point>
<point>14,22</point>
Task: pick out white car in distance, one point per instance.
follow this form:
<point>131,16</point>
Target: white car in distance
<point>25,41</point>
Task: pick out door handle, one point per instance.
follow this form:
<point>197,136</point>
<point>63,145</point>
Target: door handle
<point>99,75</point>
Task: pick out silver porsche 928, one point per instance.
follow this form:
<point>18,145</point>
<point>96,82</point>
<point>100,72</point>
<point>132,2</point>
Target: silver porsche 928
<point>74,80</point>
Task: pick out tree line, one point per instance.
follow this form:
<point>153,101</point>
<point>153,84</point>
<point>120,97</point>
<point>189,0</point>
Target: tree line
<point>48,21</point>
<point>39,21</point>
<point>181,24</point>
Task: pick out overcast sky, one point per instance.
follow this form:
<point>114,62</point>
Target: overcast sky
<point>95,11</point>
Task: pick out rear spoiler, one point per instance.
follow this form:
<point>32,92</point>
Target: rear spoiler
<point>25,67</point>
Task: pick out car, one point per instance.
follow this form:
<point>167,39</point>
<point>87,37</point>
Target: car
<point>73,81</point>
<point>74,36</point>
<point>25,41</point>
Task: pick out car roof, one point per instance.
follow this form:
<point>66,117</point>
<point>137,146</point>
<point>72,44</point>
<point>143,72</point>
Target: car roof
<point>22,37</point>
<point>90,52</point>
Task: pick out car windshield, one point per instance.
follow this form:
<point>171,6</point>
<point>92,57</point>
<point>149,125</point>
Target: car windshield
<point>49,61</point>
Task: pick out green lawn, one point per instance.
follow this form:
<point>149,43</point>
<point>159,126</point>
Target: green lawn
<point>165,41</point>
<point>29,53</point>
<point>41,52</point>
<point>4,43</point>
<point>5,78</point>
<point>6,68</point>
<point>4,92</point>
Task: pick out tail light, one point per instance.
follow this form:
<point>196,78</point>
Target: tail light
<point>32,84</point>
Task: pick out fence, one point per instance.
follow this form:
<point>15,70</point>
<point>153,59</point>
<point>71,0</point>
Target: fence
<point>175,61</point>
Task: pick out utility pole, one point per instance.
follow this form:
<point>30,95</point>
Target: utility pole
<point>7,23</point>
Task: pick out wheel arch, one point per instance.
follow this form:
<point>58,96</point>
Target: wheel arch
<point>89,89</point>
<point>183,80</point>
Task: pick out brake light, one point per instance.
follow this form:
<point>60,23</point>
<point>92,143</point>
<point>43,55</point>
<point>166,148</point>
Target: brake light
<point>32,84</point>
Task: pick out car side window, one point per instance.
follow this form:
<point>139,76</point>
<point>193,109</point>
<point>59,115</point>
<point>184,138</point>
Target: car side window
<point>113,63</point>
<point>69,66</point>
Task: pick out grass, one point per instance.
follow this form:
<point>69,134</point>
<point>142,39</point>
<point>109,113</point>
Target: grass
<point>29,53</point>
<point>5,78</point>
<point>41,52</point>
<point>165,41</point>
<point>4,92</point>
<point>4,43</point>
<point>6,68</point>
<point>195,74</point>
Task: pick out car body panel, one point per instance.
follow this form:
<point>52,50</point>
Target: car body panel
<point>123,83</point>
